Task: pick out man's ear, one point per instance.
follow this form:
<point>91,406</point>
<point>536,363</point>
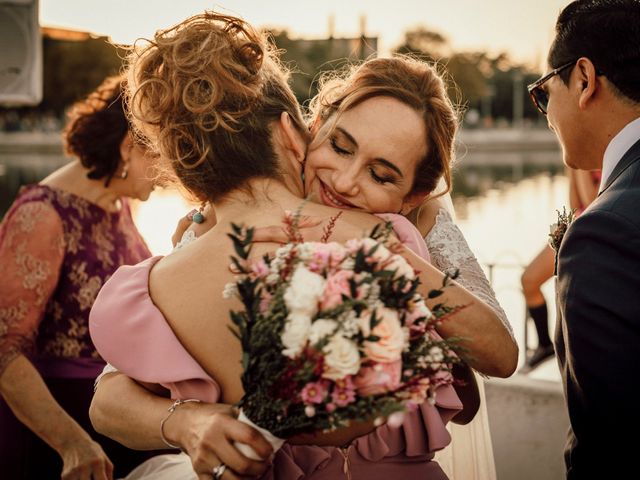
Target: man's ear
<point>293,140</point>
<point>587,81</point>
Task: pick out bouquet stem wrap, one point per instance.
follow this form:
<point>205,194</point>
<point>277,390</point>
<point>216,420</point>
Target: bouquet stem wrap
<point>249,452</point>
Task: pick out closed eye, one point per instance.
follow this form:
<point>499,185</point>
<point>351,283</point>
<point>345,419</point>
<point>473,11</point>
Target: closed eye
<point>378,179</point>
<point>339,150</point>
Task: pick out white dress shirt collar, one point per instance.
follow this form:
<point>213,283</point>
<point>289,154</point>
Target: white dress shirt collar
<point>617,147</point>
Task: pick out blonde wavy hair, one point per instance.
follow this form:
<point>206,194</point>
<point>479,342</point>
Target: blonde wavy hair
<point>412,81</point>
<point>204,93</point>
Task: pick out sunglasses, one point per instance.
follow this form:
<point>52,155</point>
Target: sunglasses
<point>538,94</point>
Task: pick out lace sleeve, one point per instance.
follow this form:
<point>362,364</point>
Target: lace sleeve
<point>449,251</point>
<point>31,254</point>
<point>189,236</point>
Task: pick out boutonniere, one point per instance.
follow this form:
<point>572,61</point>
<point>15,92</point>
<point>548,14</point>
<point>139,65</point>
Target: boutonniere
<point>557,231</point>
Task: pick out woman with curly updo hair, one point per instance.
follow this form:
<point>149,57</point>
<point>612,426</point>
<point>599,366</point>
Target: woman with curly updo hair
<point>59,242</point>
<point>213,99</point>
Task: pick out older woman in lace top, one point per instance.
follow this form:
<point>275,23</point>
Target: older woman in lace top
<point>59,242</point>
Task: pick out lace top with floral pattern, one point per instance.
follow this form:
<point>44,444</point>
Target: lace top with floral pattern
<point>56,252</point>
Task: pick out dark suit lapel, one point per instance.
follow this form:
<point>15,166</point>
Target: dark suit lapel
<point>632,155</point>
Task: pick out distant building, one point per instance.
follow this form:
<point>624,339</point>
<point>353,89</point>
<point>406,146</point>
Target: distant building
<point>358,48</point>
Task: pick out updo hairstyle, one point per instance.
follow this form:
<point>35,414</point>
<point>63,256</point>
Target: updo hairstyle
<point>97,125</point>
<point>204,93</point>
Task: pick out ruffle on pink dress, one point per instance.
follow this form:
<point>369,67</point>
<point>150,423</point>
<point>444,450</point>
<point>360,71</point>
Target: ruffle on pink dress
<point>131,333</point>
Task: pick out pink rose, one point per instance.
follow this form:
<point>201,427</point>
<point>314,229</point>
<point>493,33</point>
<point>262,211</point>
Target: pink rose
<point>336,286</point>
<point>378,378</point>
<point>391,337</point>
<point>326,255</point>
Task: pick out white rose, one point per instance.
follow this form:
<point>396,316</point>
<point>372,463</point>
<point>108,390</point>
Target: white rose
<point>322,328</point>
<point>304,291</point>
<point>400,266</point>
<point>391,338</point>
<point>341,358</point>
<point>295,334</point>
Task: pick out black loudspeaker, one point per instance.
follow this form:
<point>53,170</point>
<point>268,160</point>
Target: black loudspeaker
<point>20,53</point>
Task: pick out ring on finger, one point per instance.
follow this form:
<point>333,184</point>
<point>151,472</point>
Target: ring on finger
<point>219,471</point>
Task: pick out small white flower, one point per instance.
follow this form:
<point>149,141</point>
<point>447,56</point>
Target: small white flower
<point>436,354</point>
<point>373,296</point>
<point>349,322</point>
<point>309,411</point>
<point>396,419</point>
<point>378,421</point>
<point>348,264</point>
<point>272,278</point>
<point>304,251</point>
<point>230,290</point>
<point>342,358</point>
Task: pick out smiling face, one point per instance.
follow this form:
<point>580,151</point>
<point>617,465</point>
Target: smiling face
<point>368,161</point>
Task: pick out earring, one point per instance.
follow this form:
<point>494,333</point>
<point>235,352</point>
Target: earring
<point>125,171</point>
<point>196,216</point>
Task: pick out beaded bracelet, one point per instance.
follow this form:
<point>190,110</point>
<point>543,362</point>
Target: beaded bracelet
<point>172,409</point>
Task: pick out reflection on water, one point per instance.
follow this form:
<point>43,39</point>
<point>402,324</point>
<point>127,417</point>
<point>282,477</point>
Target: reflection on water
<point>504,212</point>
<point>506,228</point>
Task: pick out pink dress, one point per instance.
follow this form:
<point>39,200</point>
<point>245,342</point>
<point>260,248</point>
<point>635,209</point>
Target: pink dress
<point>132,334</point>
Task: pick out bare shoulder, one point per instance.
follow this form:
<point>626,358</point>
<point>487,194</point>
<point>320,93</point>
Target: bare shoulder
<point>424,216</point>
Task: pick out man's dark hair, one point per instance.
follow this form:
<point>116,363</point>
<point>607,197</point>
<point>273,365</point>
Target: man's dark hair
<point>607,32</point>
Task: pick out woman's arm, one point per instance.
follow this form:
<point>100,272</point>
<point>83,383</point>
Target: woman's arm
<point>490,345</point>
<point>27,395</point>
<point>450,252</point>
<point>124,410</point>
<point>31,254</point>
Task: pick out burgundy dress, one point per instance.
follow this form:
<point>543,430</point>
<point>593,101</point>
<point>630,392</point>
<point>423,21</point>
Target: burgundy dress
<point>56,252</point>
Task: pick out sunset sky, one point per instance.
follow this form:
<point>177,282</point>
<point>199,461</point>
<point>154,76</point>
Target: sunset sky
<point>524,28</point>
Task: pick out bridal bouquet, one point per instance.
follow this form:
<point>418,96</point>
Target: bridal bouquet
<point>332,333</point>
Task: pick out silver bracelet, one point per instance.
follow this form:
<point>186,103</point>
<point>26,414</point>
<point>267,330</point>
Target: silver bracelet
<point>172,409</point>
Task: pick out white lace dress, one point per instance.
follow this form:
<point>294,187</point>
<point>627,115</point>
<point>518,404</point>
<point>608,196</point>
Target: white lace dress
<point>470,454</point>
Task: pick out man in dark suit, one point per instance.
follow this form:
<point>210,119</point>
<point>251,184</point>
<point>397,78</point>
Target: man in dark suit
<point>592,100</point>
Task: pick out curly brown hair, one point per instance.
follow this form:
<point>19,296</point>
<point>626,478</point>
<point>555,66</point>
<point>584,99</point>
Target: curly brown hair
<point>205,93</point>
<point>415,83</point>
<point>97,125</point>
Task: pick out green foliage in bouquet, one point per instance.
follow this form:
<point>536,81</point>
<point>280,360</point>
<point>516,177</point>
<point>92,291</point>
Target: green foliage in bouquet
<point>362,346</point>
